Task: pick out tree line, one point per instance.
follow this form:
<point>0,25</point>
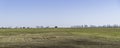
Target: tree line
<point>27,27</point>
<point>75,26</point>
<point>95,26</point>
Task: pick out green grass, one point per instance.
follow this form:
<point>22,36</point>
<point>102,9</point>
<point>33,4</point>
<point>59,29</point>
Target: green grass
<point>60,38</point>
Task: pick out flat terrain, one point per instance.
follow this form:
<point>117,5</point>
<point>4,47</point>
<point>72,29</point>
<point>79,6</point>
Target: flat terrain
<point>60,38</point>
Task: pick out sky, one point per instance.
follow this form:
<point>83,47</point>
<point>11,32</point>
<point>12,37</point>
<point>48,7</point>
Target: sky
<point>59,12</point>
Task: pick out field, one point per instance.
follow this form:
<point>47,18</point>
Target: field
<point>60,38</point>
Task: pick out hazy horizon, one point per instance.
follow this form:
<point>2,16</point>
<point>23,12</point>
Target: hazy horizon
<point>59,12</point>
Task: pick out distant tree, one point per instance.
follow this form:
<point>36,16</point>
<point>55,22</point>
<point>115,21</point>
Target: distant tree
<point>85,26</point>
<point>41,27</point>
<point>115,26</point>
<point>37,26</point>
<point>2,27</point>
<point>56,26</point>
<point>23,27</point>
<point>47,27</point>
<point>82,26</point>
<point>27,27</point>
<point>109,26</point>
<point>79,26</point>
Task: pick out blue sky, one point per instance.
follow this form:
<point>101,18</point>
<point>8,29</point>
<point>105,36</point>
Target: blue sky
<point>59,12</point>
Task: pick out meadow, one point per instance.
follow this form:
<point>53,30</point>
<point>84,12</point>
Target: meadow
<point>60,38</point>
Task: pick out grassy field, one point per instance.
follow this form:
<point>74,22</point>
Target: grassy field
<point>60,38</point>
